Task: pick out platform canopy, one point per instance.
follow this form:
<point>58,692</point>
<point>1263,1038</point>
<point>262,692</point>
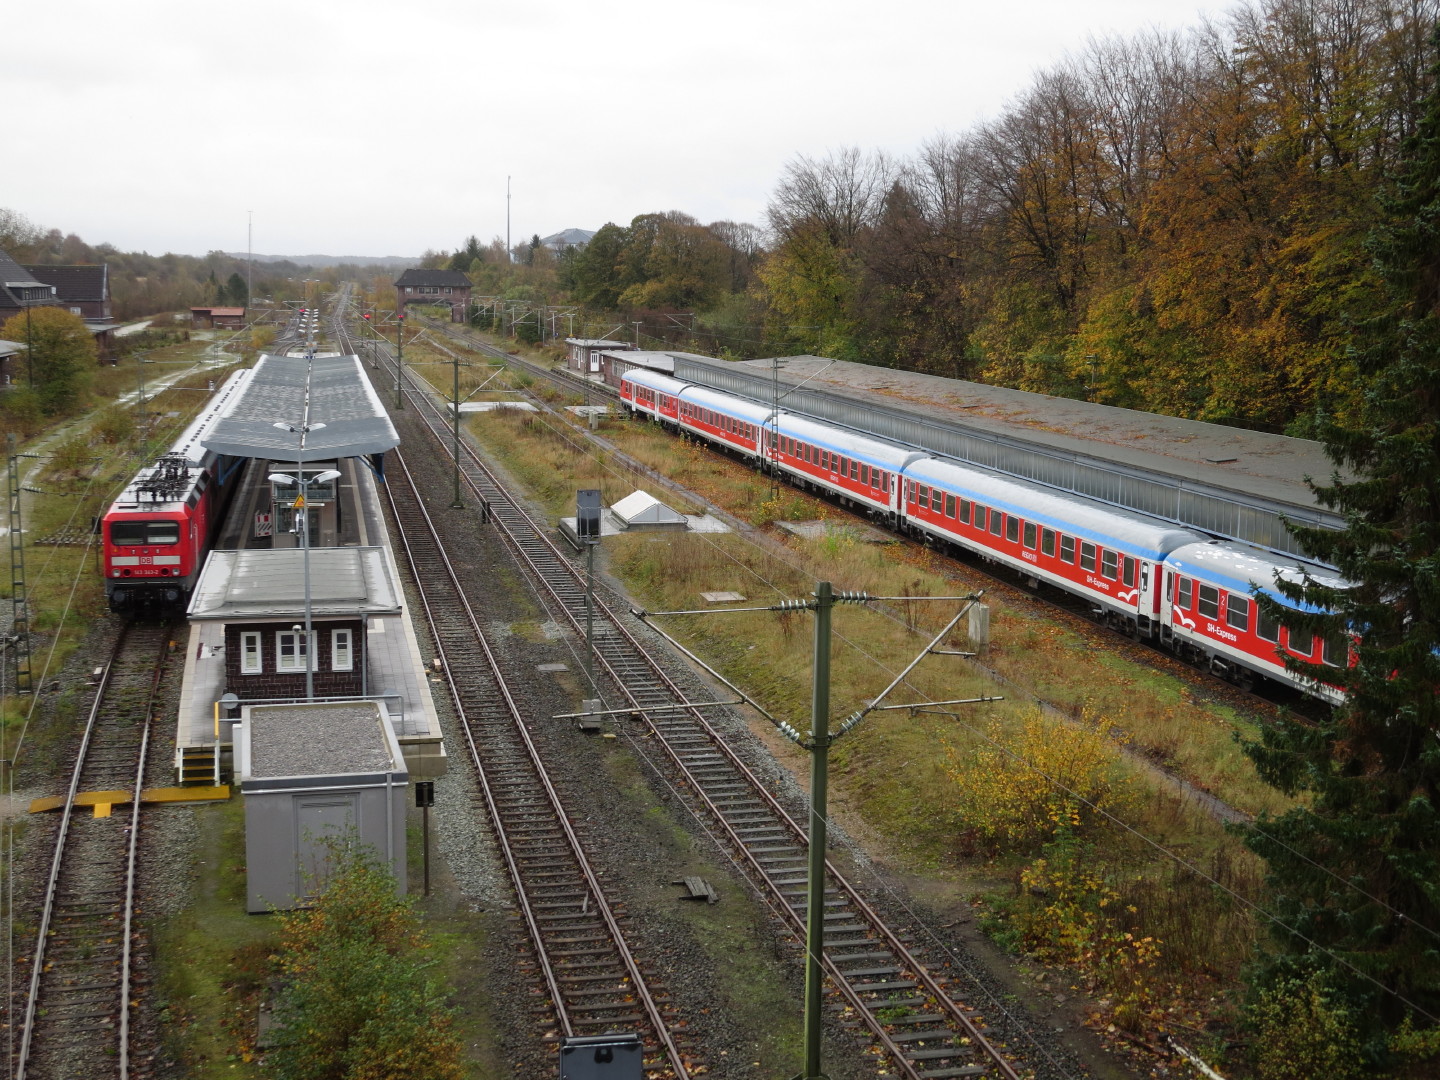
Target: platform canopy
<point>300,393</point>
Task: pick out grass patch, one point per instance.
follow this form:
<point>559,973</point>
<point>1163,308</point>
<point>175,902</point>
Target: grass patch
<point>212,959</point>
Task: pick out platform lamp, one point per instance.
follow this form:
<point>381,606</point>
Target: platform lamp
<point>302,503</point>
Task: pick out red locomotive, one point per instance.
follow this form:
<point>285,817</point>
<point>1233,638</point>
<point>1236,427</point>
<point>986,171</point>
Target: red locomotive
<point>157,533</point>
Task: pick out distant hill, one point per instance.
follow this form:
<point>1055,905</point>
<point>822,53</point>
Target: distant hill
<point>333,260</point>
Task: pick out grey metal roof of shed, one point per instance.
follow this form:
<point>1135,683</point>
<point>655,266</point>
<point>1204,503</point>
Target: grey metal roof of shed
<point>261,584</point>
<point>329,390</point>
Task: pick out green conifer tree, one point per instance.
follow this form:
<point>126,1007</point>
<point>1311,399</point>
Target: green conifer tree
<point>1355,872</point>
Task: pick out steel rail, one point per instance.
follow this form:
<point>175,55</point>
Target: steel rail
<point>638,982</point>
<point>513,519</point>
<point>39,961</point>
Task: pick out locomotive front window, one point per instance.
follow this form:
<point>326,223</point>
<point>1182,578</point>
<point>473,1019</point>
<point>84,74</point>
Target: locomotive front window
<point>1237,613</point>
<point>144,532</point>
<point>1209,601</point>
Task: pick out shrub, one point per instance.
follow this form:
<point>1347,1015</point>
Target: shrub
<point>115,425</point>
<point>358,1004</point>
<point>1303,1029</point>
<point>1016,797</point>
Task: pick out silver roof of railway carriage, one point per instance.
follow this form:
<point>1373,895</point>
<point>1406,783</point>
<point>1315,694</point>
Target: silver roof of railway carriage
<point>1147,537</point>
<point>269,583</point>
<point>1238,568</point>
<point>336,392</point>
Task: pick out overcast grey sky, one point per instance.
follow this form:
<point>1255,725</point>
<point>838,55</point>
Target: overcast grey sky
<point>355,127</point>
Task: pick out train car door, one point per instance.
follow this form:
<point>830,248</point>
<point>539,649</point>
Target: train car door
<point>1149,605</point>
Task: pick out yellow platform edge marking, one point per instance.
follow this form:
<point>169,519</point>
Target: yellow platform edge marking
<point>103,800</point>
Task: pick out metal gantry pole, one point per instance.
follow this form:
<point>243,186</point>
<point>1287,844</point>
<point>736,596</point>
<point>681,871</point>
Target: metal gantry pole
<point>455,503</point>
<point>819,782</point>
<point>399,356</point>
<point>305,544</point>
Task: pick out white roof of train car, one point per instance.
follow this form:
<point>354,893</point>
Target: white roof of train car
<point>731,406</point>
<point>667,384</point>
<point>1148,538</point>
<point>847,442</point>
<point>1238,569</point>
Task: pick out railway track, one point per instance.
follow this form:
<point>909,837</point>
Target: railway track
<point>594,983</point>
<point>922,1020</point>
<point>77,1011</point>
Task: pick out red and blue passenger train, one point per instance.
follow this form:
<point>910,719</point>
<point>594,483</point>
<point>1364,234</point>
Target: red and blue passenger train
<point>1149,577</point>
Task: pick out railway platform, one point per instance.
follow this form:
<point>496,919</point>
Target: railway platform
<point>249,604</point>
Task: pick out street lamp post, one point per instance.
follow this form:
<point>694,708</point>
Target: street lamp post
<point>303,482</point>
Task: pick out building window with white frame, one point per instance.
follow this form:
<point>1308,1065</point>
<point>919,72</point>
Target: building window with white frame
<point>342,653</point>
<point>251,662</point>
<point>290,651</point>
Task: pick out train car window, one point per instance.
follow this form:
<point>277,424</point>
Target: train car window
<point>937,499</point>
<point>965,510</point>
<point>1030,535</point>
<point>949,506</point>
<point>865,475</point>
<point>1087,557</point>
<point>1299,642</point>
<point>854,469</point>
<point>1266,628</point>
<point>1047,542</point>
<point>250,662</point>
<point>1334,651</point>
<point>980,517</point>
<point>1237,612</point>
<point>1067,548</point>
<point>924,495</point>
<point>1109,565</point>
<point>995,517</point>
<point>1209,605</point>
<point>1183,587</point>
<point>1127,571</point>
<point>1012,528</point>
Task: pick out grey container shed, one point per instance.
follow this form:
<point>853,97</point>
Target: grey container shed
<point>309,772</point>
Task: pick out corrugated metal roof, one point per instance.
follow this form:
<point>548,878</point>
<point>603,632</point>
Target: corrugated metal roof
<point>293,391</point>
<point>269,583</point>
